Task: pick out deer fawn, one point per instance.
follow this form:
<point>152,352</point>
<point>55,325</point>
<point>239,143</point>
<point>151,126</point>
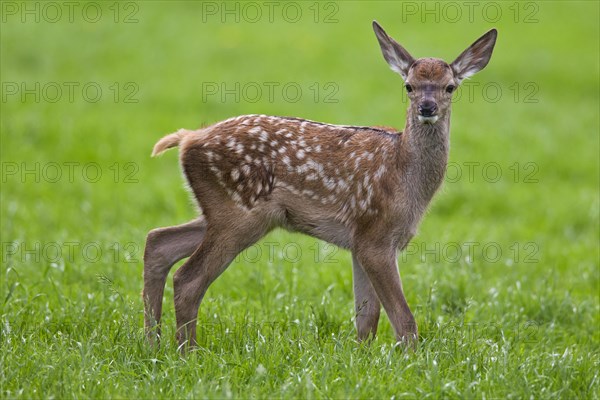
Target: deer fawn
<point>360,188</point>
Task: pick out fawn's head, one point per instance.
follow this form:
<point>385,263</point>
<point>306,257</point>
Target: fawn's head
<point>430,82</point>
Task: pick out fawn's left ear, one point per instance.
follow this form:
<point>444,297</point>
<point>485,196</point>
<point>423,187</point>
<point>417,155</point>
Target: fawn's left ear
<point>396,56</point>
<point>475,57</point>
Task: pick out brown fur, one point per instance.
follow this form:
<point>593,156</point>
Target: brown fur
<point>431,69</point>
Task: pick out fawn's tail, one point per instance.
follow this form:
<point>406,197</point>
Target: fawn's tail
<point>169,141</point>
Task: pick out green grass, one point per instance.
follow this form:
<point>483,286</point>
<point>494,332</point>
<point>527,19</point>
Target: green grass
<point>520,323</point>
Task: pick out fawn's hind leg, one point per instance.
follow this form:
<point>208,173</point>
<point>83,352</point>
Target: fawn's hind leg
<point>164,247</point>
<point>219,247</point>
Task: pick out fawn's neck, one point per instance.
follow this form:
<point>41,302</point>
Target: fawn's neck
<point>425,149</point>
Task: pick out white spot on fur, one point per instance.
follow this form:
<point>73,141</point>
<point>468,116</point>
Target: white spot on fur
<point>303,126</point>
<point>363,205</point>
<point>380,171</point>
<point>216,171</point>
<point>238,199</point>
<point>366,180</point>
<point>329,183</point>
<point>315,166</point>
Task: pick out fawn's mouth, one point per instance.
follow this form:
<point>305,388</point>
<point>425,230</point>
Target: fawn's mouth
<point>428,120</point>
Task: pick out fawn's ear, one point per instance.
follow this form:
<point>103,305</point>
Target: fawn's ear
<point>475,57</point>
<point>396,56</point>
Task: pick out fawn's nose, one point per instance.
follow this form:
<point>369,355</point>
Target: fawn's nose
<point>427,108</point>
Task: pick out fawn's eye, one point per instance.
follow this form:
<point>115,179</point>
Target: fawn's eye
<point>450,88</point>
<point>408,88</point>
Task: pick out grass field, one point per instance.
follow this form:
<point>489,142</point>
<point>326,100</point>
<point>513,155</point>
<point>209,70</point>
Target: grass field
<point>503,276</point>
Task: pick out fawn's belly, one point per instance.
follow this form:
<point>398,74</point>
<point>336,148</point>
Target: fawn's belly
<point>317,225</point>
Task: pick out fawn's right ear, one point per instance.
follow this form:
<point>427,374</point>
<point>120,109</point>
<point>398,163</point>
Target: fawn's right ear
<point>396,56</point>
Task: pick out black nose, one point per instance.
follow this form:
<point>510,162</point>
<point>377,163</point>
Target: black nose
<point>427,108</point>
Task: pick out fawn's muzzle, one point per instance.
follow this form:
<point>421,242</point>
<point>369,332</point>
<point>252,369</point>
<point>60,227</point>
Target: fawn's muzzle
<point>427,112</point>
<point>427,109</point>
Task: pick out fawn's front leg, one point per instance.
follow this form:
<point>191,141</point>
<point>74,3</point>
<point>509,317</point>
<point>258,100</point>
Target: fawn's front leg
<point>164,247</point>
<point>380,265</point>
<point>367,305</point>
